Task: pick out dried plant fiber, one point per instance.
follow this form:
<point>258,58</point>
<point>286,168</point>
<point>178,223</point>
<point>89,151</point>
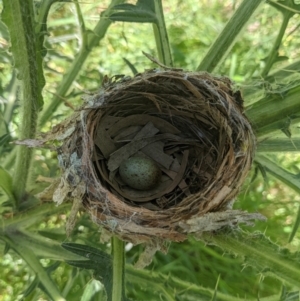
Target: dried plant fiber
<point>188,126</point>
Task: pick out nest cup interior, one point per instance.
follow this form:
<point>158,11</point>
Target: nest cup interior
<point>167,139</point>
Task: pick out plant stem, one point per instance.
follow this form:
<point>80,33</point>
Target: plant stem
<point>99,33</point>
<point>81,23</point>
<point>118,269</point>
<point>34,263</point>
<point>289,179</point>
<point>9,107</point>
<point>19,18</point>
<point>42,247</point>
<point>88,43</point>
<point>24,154</point>
<point>156,281</point>
<point>260,253</point>
<point>226,38</point>
<point>274,52</point>
<point>278,172</point>
<point>10,159</point>
<point>34,215</point>
<point>287,73</point>
<point>274,111</point>
<point>41,26</point>
<point>279,145</point>
<point>161,35</point>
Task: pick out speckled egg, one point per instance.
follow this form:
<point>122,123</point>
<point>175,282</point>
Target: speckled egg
<point>140,173</point>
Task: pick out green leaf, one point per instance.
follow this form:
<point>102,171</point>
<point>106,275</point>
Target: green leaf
<point>287,178</point>
<point>286,128</point>
<point>292,296</point>
<point>91,253</point>
<point>82,264</point>
<point>128,16</point>
<point>6,248</point>
<point>278,172</point>
<point>286,73</point>
<point>289,296</point>
<point>4,139</point>
<point>53,267</point>
<point>33,262</point>
<point>92,291</point>
<point>36,282</point>
<point>214,297</point>
<point>273,56</point>
<point>99,261</point>
<point>226,39</point>
<point>42,11</point>
<point>4,31</point>
<point>58,234</point>
<point>142,12</point>
<point>147,11</point>
<point>281,58</point>
<point>34,215</point>
<point>261,253</point>
<point>262,170</point>
<point>161,35</point>
<point>33,285</point>
<point>42,247</point>
<point>285,6</point>
<point>151,281</point>
<point>296,226</point>
<point>99,32</point>
<point>255,173</point>
<point>131,66</point>
<point>277,58</point>
<point>6,184</point>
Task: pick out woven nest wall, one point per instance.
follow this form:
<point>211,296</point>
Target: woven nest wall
<point>158,156</point>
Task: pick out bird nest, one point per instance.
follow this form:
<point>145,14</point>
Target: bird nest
<point>157,156</point>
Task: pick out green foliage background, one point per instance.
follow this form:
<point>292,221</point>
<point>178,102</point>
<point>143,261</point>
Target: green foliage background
<point>192,27</point>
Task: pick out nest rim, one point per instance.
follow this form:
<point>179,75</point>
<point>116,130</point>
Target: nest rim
<point>203,104</point>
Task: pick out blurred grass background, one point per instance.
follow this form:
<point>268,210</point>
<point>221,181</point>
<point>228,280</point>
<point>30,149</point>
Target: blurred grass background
<point>192,26</point>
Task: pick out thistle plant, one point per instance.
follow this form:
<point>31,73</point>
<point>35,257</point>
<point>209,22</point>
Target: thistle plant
<point>72,124</point>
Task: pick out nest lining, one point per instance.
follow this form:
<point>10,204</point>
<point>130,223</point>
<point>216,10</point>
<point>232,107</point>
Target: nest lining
<point>190,125</point>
